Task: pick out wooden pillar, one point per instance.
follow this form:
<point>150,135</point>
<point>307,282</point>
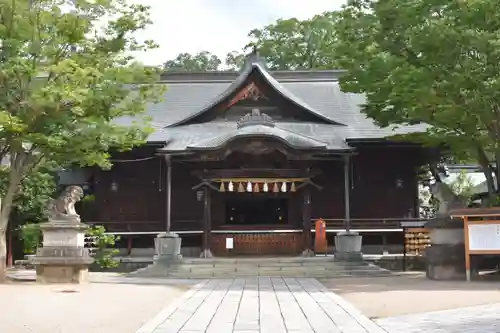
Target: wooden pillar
<point>467,249</point>
<point>168,204</point>
<point>207,225</point>
<point>306,222</point>
<point>347,193</point>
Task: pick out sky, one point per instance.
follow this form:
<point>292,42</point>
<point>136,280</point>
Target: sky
<point>218,26</point>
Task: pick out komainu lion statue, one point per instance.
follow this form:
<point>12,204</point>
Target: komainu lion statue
<point>63,208</point>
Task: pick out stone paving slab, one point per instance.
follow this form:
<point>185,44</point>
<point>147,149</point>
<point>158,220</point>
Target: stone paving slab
<point>261,305</point>
<point>477,319</point>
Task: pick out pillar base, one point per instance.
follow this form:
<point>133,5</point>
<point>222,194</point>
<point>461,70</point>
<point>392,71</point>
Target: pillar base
<point>307,253</point>
<point>348,246</point>
<point>168,248</point>
<point>206,253</point>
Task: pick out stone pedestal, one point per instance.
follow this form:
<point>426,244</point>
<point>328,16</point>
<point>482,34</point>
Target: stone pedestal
<point>63,257</point>
<point>445,258</point>
<point>348,246</point>
<point>168,249</point>
<point>308,253</point>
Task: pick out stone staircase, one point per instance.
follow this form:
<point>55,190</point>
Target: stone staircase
<point>317,267</point>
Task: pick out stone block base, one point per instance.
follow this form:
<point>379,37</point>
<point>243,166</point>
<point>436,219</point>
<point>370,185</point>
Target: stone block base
<point>308,253</point>
<point>441,272</point>
<point>168,249</point>
<point>348,246</point>
<point>206,254</point>
<point>61,274</point>
<point>445,262</point>
<point>167,260</point>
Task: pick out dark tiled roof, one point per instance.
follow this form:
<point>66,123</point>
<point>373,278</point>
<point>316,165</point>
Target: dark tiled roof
<point>317,92</point>
<point>257,124</point>
<point>292,139</point>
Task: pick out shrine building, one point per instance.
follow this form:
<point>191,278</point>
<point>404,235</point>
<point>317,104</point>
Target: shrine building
<point>257,156</point>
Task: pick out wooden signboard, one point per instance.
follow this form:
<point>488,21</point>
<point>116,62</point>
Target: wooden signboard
<point>482,236</point>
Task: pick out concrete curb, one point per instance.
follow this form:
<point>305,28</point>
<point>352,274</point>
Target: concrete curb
<point>157,320</point>
<point>364,321</point>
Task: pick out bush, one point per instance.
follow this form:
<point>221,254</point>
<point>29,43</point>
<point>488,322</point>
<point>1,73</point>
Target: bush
<point>31,235</point>
<point>102,244</point>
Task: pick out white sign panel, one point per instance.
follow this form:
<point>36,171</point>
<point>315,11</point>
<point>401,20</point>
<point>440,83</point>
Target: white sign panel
<point>229,243</point>
<point>484,237</point>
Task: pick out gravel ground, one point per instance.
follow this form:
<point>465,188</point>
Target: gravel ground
<point>413,293</point>
<point>92,308</point>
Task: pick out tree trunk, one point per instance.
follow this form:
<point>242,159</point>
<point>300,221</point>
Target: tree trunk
<point>3,256</point>
<point>5,210</point>
<point>490,183</point>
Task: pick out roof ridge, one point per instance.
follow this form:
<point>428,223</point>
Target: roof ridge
<point>321,75</point>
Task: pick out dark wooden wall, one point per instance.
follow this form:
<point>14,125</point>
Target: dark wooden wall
<point>375,173</point>
<point>141,194</point>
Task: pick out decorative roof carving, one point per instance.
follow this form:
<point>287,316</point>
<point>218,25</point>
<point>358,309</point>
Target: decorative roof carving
<point>250,92</point>
<point>255,118</point>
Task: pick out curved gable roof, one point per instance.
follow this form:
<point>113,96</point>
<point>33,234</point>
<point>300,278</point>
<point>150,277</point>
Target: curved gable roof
<point>239,83</point>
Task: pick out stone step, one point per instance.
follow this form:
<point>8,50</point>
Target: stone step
<point>230,268</point>
<point>199,275</point>
<point>319,267</point>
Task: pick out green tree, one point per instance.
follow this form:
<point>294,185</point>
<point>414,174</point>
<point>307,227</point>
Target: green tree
<point>35,191</point>
<point>65,76</point>
<point>297,44</point>
<point>429,61</point>
<point>202,61</point>
<point>234,60</point>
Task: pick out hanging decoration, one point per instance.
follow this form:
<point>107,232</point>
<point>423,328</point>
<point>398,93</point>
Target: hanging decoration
<point>249,185</point>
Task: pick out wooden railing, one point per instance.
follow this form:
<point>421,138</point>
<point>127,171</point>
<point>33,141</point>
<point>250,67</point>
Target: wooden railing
<point>147,226</point>
<point>368,224</point>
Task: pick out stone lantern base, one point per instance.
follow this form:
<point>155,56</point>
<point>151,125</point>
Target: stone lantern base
<point>63,257</point>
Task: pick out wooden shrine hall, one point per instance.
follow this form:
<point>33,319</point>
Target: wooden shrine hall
<point>257,156</point>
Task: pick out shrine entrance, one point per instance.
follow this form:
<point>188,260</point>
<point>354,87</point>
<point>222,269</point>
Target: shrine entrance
<point>256,209</point>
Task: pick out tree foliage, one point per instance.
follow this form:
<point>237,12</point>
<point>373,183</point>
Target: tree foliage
<point>430,61</point>
<point>66,73</point>
<point>284,45</point>
<point>35,191</point>
<point>202,61</point>
<point>297,44</point>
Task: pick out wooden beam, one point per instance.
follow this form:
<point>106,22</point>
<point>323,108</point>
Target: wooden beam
<point>255,173</point>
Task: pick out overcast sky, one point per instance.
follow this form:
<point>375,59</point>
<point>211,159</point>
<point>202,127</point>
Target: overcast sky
<point>219,26</point>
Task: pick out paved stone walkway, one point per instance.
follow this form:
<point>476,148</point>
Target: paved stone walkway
<point>261,305</point>
<point>477,319</point>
